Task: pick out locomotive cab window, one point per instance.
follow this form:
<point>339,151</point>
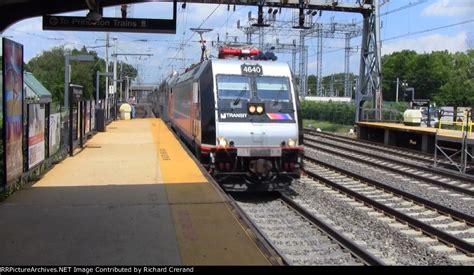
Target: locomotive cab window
<point>233,87</point>
<point>273,88</point>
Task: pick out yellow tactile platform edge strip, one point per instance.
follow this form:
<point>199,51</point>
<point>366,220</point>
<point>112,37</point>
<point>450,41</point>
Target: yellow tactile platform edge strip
<point>398,126</point>
<point>175,164</point>
<point>207,231</point>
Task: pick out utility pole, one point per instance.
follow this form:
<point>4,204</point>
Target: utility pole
<point>115,78</point>
<point>115,55</point>
<point>319,58</point>
<point>127,90</point>
<point>378,90</point>
<point>396,95</point>
<point>331,86</point>
<point>303,67</point>
<point>106,104</point>
<point>346,64</point>
<point>293,58</point>
<point>121,81</point>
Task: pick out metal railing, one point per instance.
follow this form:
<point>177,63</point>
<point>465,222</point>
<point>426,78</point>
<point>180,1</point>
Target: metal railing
<point>463,123</point>
<point>384,115</point>
<point>454,143</point>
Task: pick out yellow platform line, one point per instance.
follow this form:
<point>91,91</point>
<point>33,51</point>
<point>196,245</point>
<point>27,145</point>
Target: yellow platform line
<point>206,230</point>
<point>175,163</point>
<point>399,127</point>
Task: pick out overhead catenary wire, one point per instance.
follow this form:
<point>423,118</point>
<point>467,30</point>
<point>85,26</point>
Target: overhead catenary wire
<point>192,34</point>
<point>413,33</point>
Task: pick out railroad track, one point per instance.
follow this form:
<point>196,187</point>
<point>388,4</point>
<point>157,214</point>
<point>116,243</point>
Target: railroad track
<point>420,157</point>
<point>448,226</point>
<point>300,237</point>
<point>442,179</point>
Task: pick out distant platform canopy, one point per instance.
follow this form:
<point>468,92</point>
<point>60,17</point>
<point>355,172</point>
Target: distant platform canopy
<point>143,87</point>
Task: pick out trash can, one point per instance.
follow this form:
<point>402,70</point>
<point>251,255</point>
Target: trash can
<point>125,110</point>
<point>100,120</point>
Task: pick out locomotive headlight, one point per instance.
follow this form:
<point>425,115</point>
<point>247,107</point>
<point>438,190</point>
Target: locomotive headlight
<point>291,142</point>
<point>259,109</point>
<point>252,109</point>
<point>221,142</point>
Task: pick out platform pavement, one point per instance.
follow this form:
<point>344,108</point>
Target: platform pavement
<point>132,197</point>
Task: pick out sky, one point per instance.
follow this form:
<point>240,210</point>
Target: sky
<point>419,25</point>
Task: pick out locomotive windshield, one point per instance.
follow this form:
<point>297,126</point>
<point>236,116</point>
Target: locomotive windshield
<point>233,86</point>
<point>273,88</point>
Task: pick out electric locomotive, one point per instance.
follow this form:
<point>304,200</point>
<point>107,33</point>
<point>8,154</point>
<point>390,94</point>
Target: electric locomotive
<point>240,116</point>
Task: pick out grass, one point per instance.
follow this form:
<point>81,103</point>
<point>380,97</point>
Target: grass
<point>327,126</point>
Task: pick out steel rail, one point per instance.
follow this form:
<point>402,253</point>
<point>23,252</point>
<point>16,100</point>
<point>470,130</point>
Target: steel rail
<point>276,257</point>
<point>460,244</point>
<point>393,169</point>
<point>445,172</point>
<point>374,146</point>
<point>348,244</point>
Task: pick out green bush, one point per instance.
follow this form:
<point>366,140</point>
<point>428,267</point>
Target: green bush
<point>327,126</point>
<point>334,112</point>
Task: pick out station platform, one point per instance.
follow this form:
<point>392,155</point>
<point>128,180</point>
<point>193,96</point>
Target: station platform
<point>133,196</point>
<point>397,134</point>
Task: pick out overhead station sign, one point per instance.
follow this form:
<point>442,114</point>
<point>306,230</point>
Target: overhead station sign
<point>108,24</point>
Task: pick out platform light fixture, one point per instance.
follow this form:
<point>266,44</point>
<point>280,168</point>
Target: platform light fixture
<point>95,11</point>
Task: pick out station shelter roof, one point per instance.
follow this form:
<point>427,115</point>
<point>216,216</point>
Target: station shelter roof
<point>35,91</point>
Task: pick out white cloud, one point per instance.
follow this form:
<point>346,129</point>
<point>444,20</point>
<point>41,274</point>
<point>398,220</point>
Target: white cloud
<point>26,26</point>
<point>429,43</point>
<point>197,13</point>
<point>450,8</point>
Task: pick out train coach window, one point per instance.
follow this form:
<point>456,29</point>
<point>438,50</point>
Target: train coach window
<point>273,88</point>
<point>233,86</point>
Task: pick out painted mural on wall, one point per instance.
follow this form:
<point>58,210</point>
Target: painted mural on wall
<point>1,89</point>
<point>2,159</point>
<point>87,117</point>
<point>92,115</point>
<point>75,123</point>
<point>13,101</point>
<point>54,133</point>
<point>36,128</point>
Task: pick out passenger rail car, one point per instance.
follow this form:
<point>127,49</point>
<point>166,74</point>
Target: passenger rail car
<point>242,119</point>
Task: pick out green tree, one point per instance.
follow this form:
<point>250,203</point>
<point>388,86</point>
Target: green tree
<point>48,67</point>
<point>84,73</point>
<point>398,64</point>
<point>430,72</point>
<point>427,73</point>
<point>459,89</point>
